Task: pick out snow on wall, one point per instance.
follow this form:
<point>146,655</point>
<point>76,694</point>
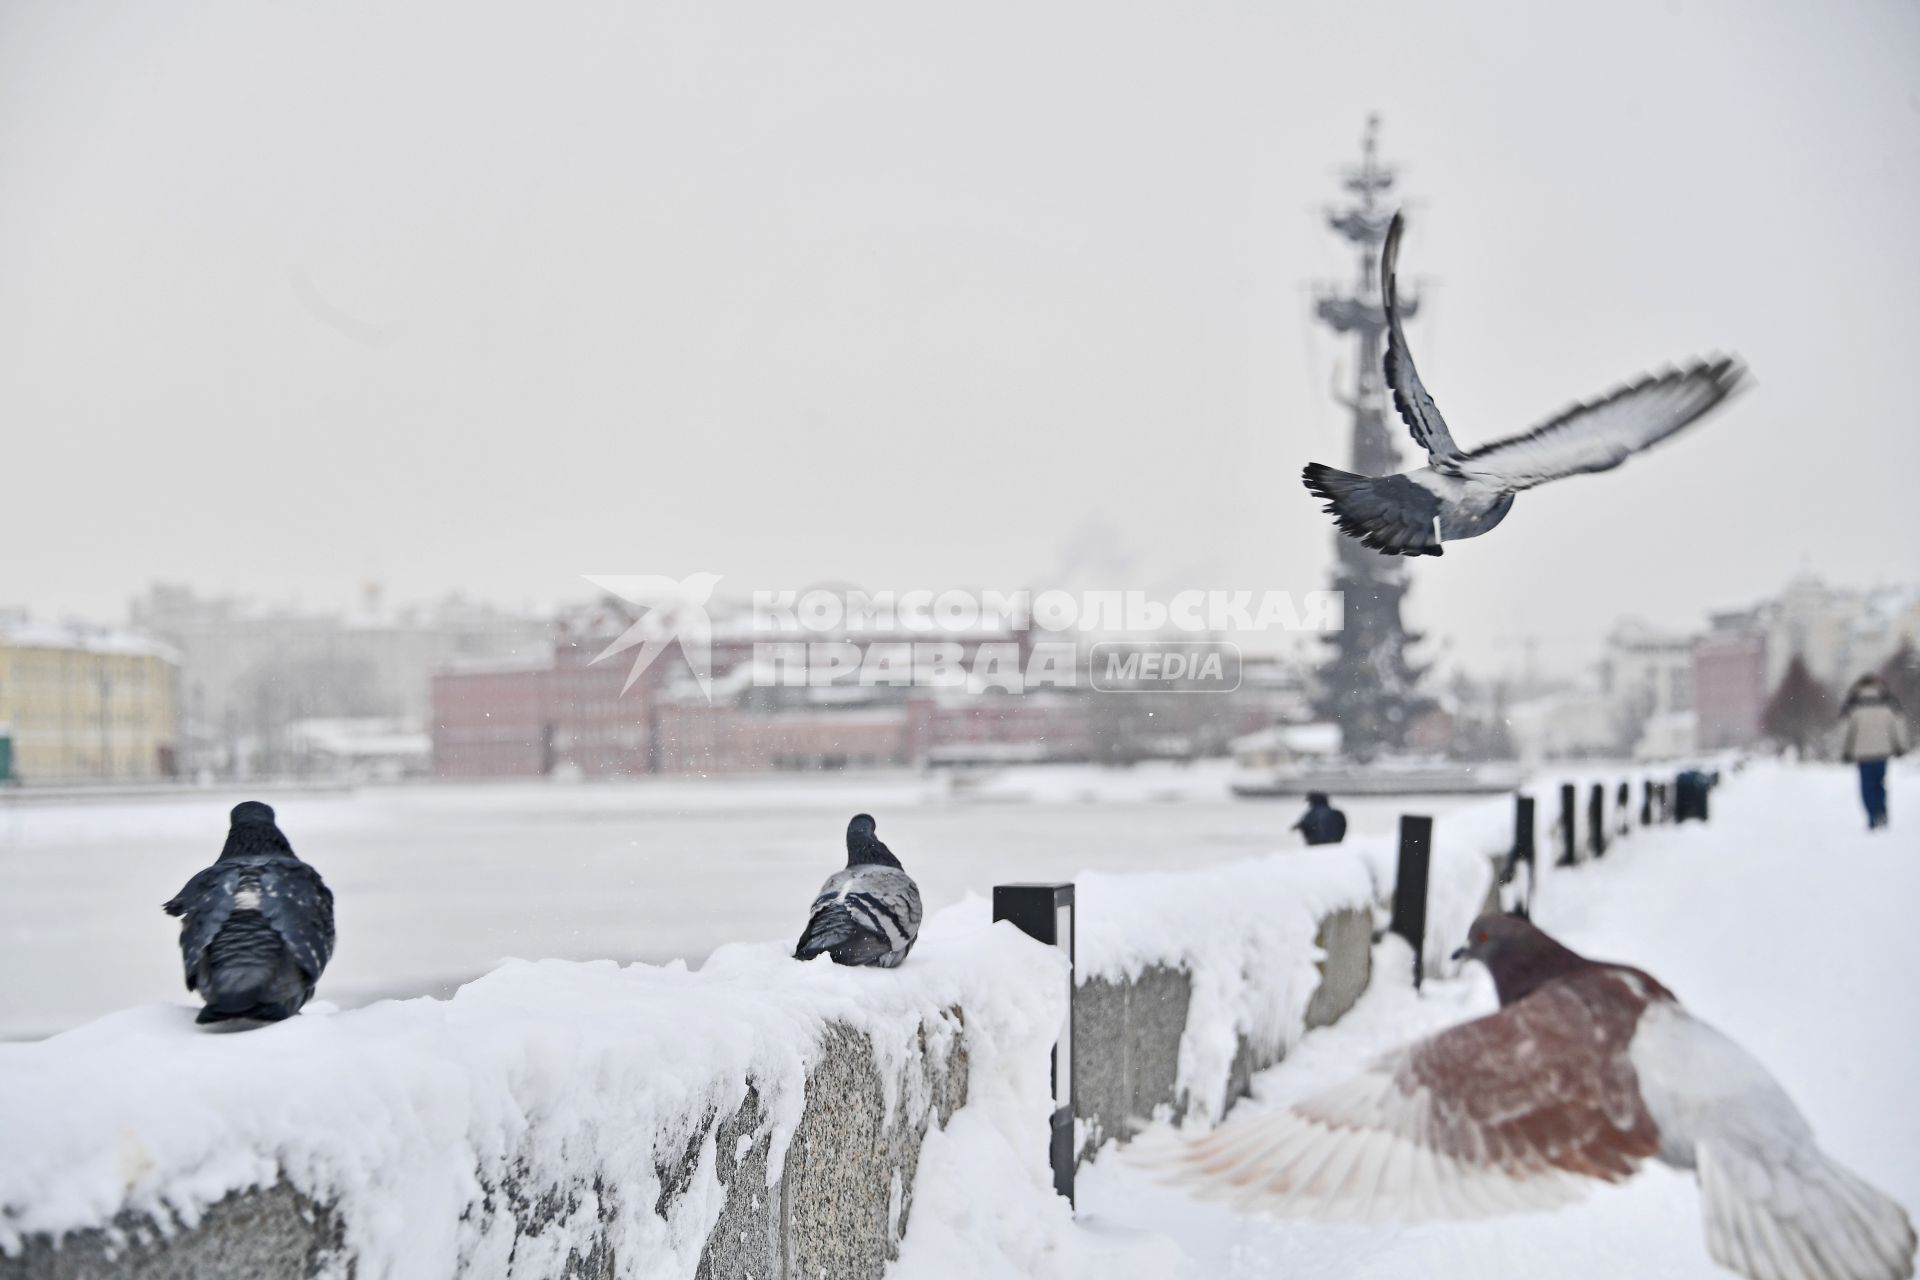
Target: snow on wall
<point>590,1088</point>
<point>1243,935</point>
<point>1233,955</point>
<point>629,1102</point>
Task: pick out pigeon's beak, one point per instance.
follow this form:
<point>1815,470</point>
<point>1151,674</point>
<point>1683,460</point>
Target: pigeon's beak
<point>1459,953</point>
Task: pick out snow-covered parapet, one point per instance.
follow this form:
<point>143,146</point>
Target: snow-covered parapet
<point>1192,981</point>
<point>756,1117</point>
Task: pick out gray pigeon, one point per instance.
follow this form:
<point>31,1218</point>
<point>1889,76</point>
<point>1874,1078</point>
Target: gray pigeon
<point>1463,494</point>
<point>256,927</point>
<point>868,914</point>
<point>1587,1071</point>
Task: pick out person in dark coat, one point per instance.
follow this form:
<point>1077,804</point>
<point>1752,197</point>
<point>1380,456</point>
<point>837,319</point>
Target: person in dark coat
<point>1321,823</point>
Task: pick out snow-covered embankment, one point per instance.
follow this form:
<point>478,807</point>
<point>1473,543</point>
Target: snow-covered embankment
<point>756,1117</point>
<point>753,1118</point>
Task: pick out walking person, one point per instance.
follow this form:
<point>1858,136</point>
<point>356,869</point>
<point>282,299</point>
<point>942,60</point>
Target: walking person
<point>1321,823</point>
<point>1874,730</point>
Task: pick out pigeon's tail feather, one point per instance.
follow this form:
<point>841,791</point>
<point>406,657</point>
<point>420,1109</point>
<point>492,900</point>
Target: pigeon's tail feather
<point>248,972</point>
<point>834,931</point>
<point>1810,1220</point>
<point>1391,514</point>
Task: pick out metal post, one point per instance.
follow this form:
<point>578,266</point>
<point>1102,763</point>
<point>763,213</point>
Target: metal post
<point>1624,802</point>
<point>1522,851</point>
<point>1044,912</point>
<point>1568,850</point>
<point>1646,802</point>
<point>1597,821</point>
<point>1410,888</point>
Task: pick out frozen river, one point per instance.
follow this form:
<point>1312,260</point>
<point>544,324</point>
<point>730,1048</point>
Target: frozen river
<point>435,883</point>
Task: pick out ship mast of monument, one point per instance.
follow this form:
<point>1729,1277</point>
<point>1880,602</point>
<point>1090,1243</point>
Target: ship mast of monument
<point>1368,686</point>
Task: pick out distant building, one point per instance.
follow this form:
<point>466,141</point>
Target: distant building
<point>537,717</point>
<point>370,748</point>
<point>1285,744</point>
<point>567,714</point>
<point>82,704</point>
<point>1841,633</point>
<point>1034,727</point>
<point>1570,724</point>
<point>1730,682</point>
<point>1646,676</point>
<point>248,673</point>
<point>1838,632</point>
<point>1666,736</point>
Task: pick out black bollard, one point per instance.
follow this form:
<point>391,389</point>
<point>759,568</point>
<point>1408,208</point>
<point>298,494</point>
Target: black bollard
<point>1522,852</point>
<point>1410,888</point>
<point>1568,832</point>
<point>1044,912</point>
<point>1624,802</point>
<point>1646,802</point>
<point>1597,821</point>
<point>1690,795</point>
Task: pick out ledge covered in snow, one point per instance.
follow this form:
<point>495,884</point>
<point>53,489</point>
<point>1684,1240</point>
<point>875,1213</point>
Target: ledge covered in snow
<point>754,1117</point>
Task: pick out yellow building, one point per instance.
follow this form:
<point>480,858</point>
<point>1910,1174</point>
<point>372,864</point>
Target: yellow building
<point>82,705</point>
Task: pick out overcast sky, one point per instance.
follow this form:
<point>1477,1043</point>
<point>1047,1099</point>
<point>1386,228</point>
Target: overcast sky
<point>487,297</point>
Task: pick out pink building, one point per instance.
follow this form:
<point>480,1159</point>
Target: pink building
<point>1729,686</point>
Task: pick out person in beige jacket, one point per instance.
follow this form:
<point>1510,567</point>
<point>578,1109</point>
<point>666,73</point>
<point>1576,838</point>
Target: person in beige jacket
<point>1873,729</point>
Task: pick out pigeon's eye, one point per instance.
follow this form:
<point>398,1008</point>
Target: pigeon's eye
<point>1481,936</point>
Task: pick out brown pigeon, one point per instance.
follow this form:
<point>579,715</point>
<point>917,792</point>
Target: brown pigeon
<point>1587,1070</point>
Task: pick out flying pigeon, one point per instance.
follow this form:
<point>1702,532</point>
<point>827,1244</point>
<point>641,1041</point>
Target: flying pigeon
<point>1463,494</point>
<point>868,914</point>
<point>256,927</point>
<point>1587,1071</point>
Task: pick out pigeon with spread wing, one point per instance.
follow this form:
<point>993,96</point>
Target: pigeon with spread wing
<point>1464,493</point>
<point>1587,1071</point>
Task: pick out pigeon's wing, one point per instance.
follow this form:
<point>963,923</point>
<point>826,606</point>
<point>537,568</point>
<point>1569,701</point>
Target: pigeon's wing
<point>1393,514</point>
<point>1410,397</point>
<point>889,901</point>
<point>1776,1207</point>
<point>299,906</point>
<point>203,905</point>
<point>1601,434</point>
<point>829,923</point>
<point>1515,1111</point>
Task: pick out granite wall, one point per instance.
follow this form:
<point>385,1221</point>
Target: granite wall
<point>1127,1034</point>
<point>838,1208</point>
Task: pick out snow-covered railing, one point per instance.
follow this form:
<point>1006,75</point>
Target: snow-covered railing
<point>756,1117</point>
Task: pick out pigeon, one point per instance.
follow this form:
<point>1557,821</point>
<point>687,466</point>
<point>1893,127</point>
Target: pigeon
<point>1587,1071</point>
<point>1463,494</point>
<point>868,914</point>
<point>256,927</point>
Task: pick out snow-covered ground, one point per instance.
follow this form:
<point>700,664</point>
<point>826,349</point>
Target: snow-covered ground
<point>1783,922</point>
<point>436,884</point>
